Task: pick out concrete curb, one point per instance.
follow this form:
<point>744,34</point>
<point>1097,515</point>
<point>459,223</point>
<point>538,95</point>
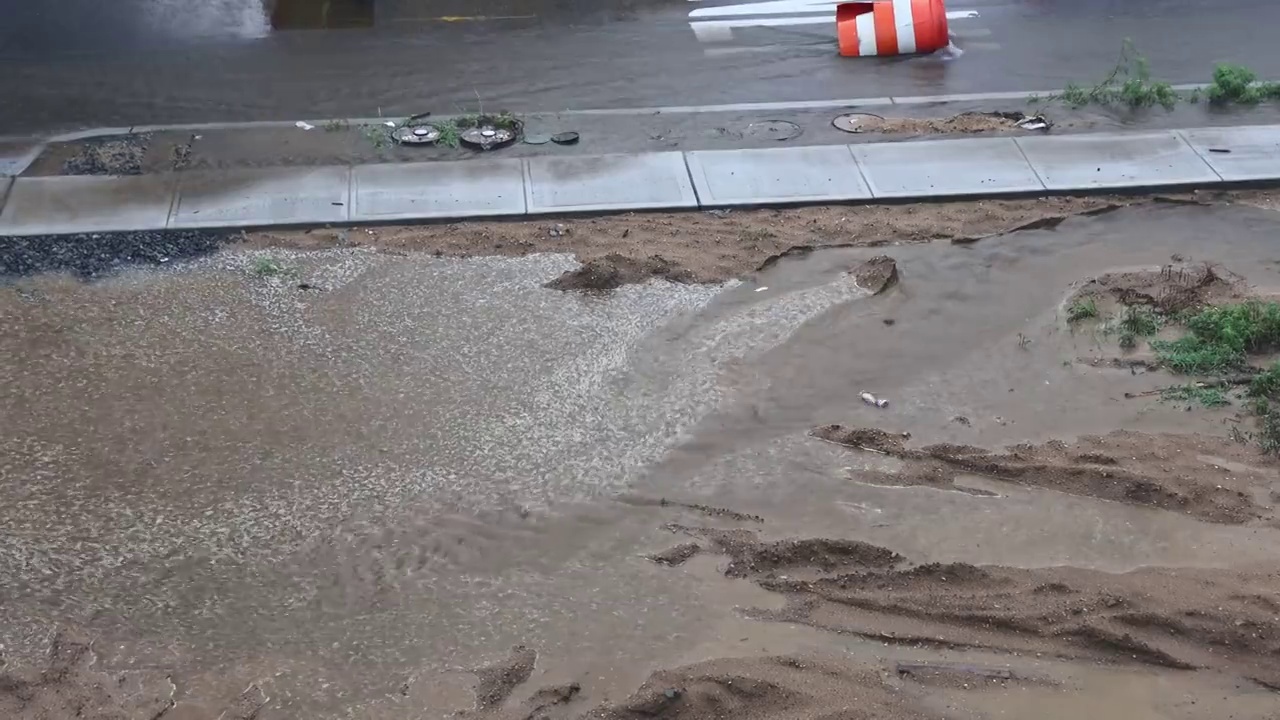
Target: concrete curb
<point>1026,166</point>
<point>834,103</point>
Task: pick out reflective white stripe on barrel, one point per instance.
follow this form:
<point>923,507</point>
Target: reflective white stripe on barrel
<point>865,24</point>
<point>905,25</point>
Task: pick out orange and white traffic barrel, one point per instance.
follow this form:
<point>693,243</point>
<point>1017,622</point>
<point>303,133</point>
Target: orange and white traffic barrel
<point>891,27</point>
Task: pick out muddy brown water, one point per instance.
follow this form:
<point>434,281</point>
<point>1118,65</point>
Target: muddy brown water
<point>347,497</point>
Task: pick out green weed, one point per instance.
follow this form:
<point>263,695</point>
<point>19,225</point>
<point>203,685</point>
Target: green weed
<point>1082,309</point>
<point>1221,337</point>
<point>1206,396</point>
<point>1129,83</point>
<point>269,267</point>
<point>450,134</point>
<point>1266,384</point>
<point>1238,84</point>
<point>1269,432</point>
<point>1139,320</point>
<point>379,135</point>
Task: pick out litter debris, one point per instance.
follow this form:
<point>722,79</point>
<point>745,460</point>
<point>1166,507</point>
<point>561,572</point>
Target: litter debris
<point>1219,150</point>
<point>558,231</point>
<point>870,399</point>
<point>565,138</point>
<point>389,124</point>
<point>305,125</point>
<point>1034,122</point>
<point>720,212</point>
<point>762,288</point>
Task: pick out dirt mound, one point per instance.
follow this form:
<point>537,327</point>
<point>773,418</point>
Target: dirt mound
<point>964,123</point>
<point>677,555</point>
<point>751,557</point>
<point>711,248</point>
<point>1188,618</point>
<point>614,270</point>
<point>877,274</point>
<point>776,688</point>
<point>1171,289</point>
<point>70,688</point>
<point>1163,471</point>
<point>496,682</point>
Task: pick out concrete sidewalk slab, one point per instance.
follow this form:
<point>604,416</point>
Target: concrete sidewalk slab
<point>1251,153</point>
<point>59,205</point>
<point>15,157</point>
<point>437,190</point>
<point>776,175</point>
<point>1115,160</point>
<point>608,182</point>
<point>977,166</point>
<point>258,197</point>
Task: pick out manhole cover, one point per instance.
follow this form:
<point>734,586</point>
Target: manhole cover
<point>488,137</point>
<point>853,122</point>
<point>537,139</point>
<point>416,134</point>
<point>773,130</point>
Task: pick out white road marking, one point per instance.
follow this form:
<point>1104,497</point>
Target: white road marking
<point>769,7</point>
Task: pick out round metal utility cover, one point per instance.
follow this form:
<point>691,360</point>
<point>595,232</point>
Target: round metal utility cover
<point>851,122</point>
<point>565,138</point>
<point>487,137</point>
<point>537,139</point>
<point>416,134</point>
<point>773,130</point>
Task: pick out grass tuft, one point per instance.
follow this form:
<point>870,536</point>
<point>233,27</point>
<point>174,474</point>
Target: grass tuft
<point>1238,84</point>
<point>269,267</point>
<point>1082,309</point>
<point>1206,396</point>
<point>1221,337</point>
<point>1266,384</point>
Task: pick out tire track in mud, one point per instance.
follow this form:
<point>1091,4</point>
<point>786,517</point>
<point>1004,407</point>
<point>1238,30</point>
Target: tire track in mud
<point>1185,619</point>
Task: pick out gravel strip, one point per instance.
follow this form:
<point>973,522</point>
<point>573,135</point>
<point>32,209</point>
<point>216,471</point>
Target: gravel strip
<point>92,254</point>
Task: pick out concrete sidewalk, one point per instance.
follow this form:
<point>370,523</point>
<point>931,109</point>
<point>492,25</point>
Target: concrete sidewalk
<point>927,169</point>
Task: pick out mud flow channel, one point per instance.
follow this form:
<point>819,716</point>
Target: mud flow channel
<point>367,481</point>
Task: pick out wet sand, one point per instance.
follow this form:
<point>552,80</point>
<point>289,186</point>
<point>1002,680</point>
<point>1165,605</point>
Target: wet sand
<point>354,499</point>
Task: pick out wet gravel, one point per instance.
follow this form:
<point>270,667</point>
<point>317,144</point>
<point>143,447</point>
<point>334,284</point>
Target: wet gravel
<point>90,255</point>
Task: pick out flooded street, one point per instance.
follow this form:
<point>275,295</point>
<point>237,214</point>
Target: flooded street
<point>345,477</point>
<point>75,64</point>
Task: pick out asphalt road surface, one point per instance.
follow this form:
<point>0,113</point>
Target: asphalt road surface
<point>68,64</point>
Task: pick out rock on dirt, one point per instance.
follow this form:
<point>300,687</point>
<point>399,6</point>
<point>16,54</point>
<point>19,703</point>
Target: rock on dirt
<point>494,683</point>
<point>877,274</point>
<point>613,271</point>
